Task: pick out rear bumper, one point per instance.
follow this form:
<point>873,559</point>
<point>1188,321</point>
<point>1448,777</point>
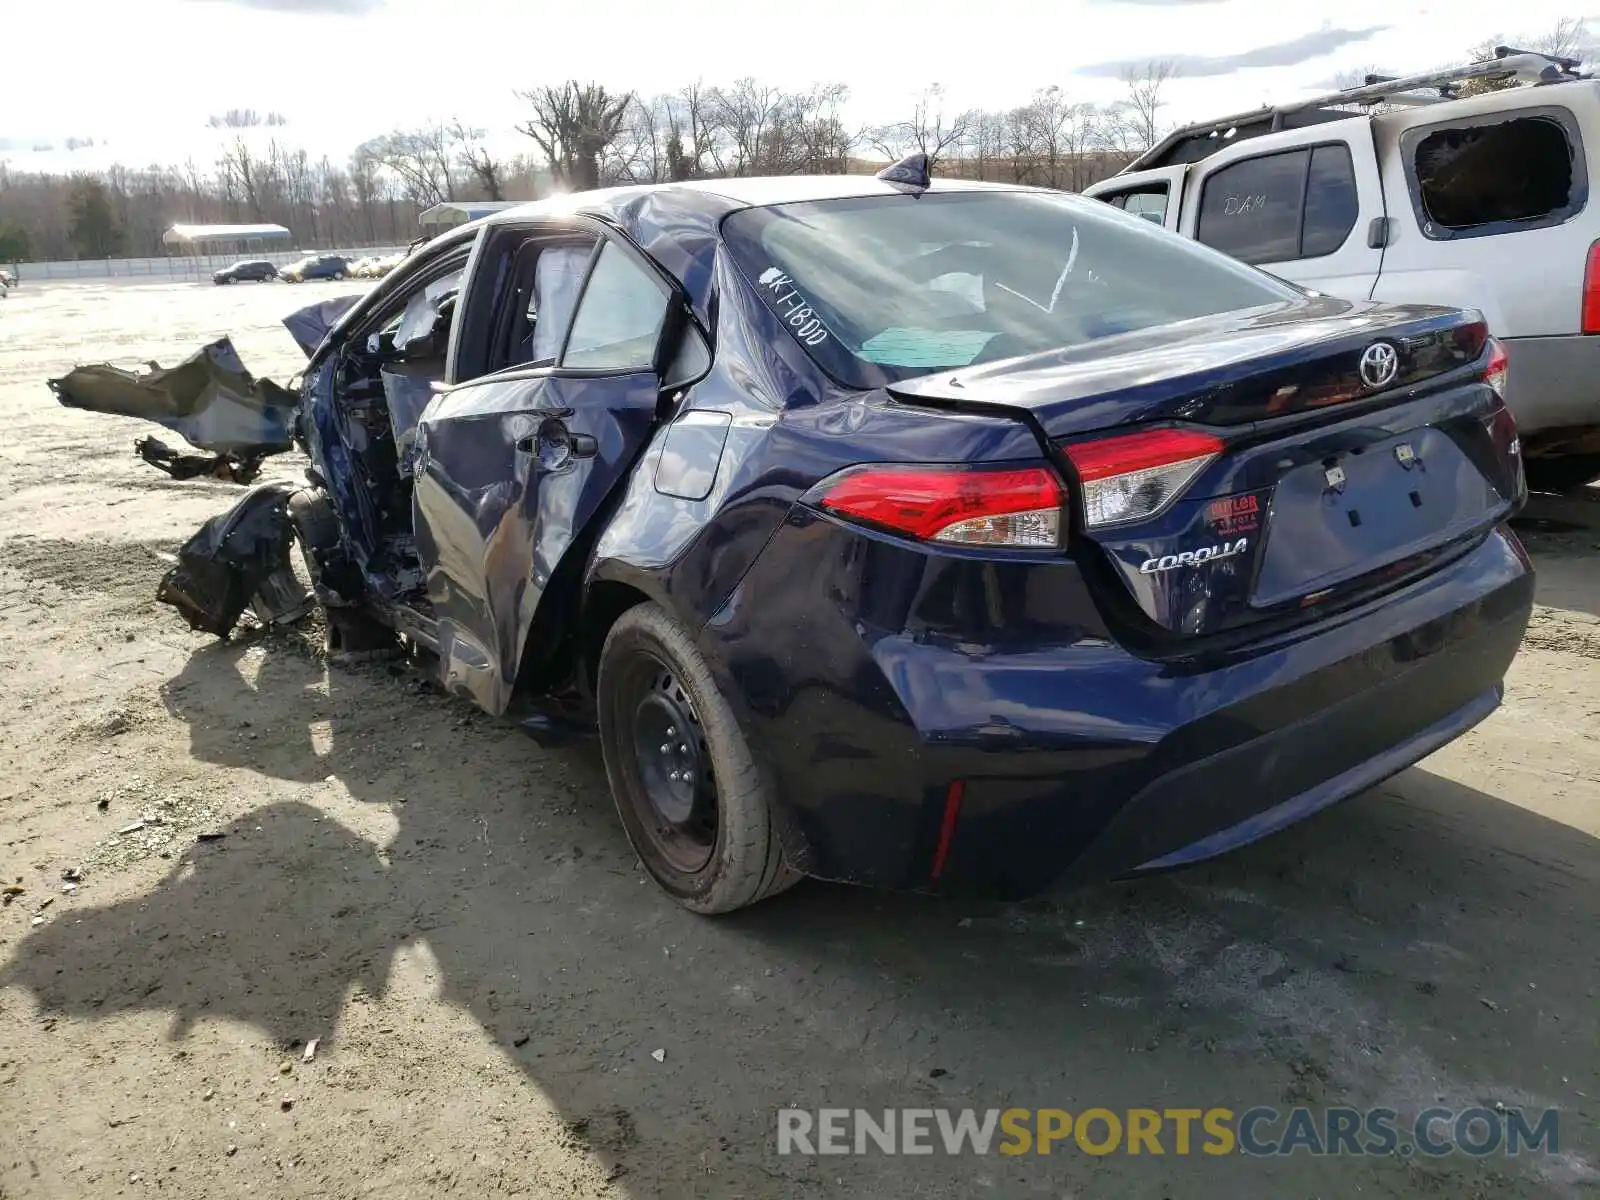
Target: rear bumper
<point>1554,382</point>
<point>1076,758</point>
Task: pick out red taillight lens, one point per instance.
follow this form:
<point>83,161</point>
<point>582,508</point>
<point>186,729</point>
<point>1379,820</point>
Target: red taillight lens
<point>1498,369</point>
<point>1015,507</point>
<point>1591,291</point>
<point>1136,475</point>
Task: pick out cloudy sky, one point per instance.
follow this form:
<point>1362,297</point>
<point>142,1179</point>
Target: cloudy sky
<point>141,78</point>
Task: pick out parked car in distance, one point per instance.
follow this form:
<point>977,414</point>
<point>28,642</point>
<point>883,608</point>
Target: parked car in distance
<point>923,535</point>
<point>7,281</point>
<point>316,266</point>
<point>257,270</point>
<point>1485,202</point>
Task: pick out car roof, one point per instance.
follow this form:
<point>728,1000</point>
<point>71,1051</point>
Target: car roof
<point>677,224</point>
<point>728,195</point>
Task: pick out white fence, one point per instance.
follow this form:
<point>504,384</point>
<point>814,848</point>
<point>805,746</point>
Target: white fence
<point>174,267</point>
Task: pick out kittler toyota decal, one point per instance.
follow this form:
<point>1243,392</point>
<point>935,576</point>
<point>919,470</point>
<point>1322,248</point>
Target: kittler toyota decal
<point>1193,558</point>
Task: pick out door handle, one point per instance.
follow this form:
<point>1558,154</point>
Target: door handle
<point>554,444</point>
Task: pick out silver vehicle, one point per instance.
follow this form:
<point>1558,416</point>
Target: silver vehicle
<point>1404,190</point>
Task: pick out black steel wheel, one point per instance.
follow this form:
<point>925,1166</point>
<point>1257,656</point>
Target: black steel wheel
<point>695,803</point>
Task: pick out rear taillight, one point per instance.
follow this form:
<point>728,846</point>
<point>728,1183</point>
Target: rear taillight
<point>1137,475</point>
<point>1591,291</point>
<point>1017,507</point>
<point>1498,369</point>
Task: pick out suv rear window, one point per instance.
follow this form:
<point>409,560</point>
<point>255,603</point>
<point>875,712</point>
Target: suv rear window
<point>883,288</point>
<point>1498,175</point>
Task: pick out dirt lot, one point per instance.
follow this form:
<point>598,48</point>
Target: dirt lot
<point>453,913</point>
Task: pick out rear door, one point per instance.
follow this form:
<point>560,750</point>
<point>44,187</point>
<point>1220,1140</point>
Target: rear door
<point>513,466</point>
<point>1309,208</point>
<point>1154,195</point>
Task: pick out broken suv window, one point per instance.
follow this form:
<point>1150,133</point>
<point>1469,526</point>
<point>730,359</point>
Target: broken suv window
<point>1496,176</point>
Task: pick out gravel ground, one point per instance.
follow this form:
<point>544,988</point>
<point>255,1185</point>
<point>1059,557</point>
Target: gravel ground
<point>503,1006</point>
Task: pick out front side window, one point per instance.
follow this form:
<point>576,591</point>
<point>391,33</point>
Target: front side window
<point>1496,176</point>
<point>884,288</point>
<point>619,318</point>
<point>1149,203</point>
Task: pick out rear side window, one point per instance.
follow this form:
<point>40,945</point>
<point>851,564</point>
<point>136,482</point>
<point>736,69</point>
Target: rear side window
<point>1281,207</point>
<point>619,319</point>
<point>1498,175</point>
<point>1331,201</point>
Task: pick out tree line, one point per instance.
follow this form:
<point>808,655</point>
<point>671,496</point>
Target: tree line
<point>579,135</point>
<point>583,135</point>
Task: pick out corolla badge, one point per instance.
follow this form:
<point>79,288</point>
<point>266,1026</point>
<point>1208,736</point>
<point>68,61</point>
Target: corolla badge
<point>1380,363</point>
<point>1193,558</point>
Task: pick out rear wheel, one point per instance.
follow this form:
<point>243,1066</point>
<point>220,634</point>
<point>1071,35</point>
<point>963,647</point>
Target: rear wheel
<point>1561,473</point>
<point>695,803</point>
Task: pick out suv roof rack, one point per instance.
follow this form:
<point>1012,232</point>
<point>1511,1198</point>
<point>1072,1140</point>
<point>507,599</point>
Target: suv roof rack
<point>1194,142</point>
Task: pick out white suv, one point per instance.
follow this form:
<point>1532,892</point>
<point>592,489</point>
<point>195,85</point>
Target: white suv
<point>1479,202</point>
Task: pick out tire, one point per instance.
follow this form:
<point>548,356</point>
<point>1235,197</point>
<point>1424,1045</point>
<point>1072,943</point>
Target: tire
<point>1561,473</point>
<point>712,841</point>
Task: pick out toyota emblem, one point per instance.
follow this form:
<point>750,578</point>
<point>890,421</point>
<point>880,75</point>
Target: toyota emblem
<point>1379,365</point>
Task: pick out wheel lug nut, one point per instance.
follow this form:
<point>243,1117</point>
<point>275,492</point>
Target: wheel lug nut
<point>672,731</point>
<point>683,749</point>
<point>666,747</point>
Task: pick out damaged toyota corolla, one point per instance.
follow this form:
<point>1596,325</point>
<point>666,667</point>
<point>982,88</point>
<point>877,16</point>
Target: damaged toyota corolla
<point>922,535</point>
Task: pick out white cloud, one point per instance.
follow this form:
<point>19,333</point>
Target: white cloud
<point>142,78</point>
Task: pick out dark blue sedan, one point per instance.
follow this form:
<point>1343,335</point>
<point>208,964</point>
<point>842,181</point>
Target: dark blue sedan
<point>923,536</point>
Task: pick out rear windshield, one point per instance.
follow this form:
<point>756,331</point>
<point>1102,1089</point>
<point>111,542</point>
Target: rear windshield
<point>885,288</point>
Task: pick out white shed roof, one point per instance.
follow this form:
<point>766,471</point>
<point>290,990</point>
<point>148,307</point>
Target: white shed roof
<point>190,235</point>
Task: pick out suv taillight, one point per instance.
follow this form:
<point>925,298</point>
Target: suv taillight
<point>1134,476</point>
<point>1591,291</point>
<point>1007,507</point>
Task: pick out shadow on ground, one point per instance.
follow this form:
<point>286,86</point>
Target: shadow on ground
<point>1346,961</point>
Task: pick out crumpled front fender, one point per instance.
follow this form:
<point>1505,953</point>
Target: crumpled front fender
<point>239,559</point>
<point>208,399</point>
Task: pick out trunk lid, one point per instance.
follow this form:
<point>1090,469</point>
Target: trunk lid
<point>1346,448</point>
<point>1230,369</point>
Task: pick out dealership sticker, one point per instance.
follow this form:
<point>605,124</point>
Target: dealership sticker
<point>1233,515</point>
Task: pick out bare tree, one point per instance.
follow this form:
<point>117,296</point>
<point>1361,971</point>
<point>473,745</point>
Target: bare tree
<point>1144,100</point>
<point>1568,38</point>
<point>639,152</point>
<point>471,153</point>
<point>421,159</point>
<point>573,125</point>
<point>244,169</point>
<point>928,131</point>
